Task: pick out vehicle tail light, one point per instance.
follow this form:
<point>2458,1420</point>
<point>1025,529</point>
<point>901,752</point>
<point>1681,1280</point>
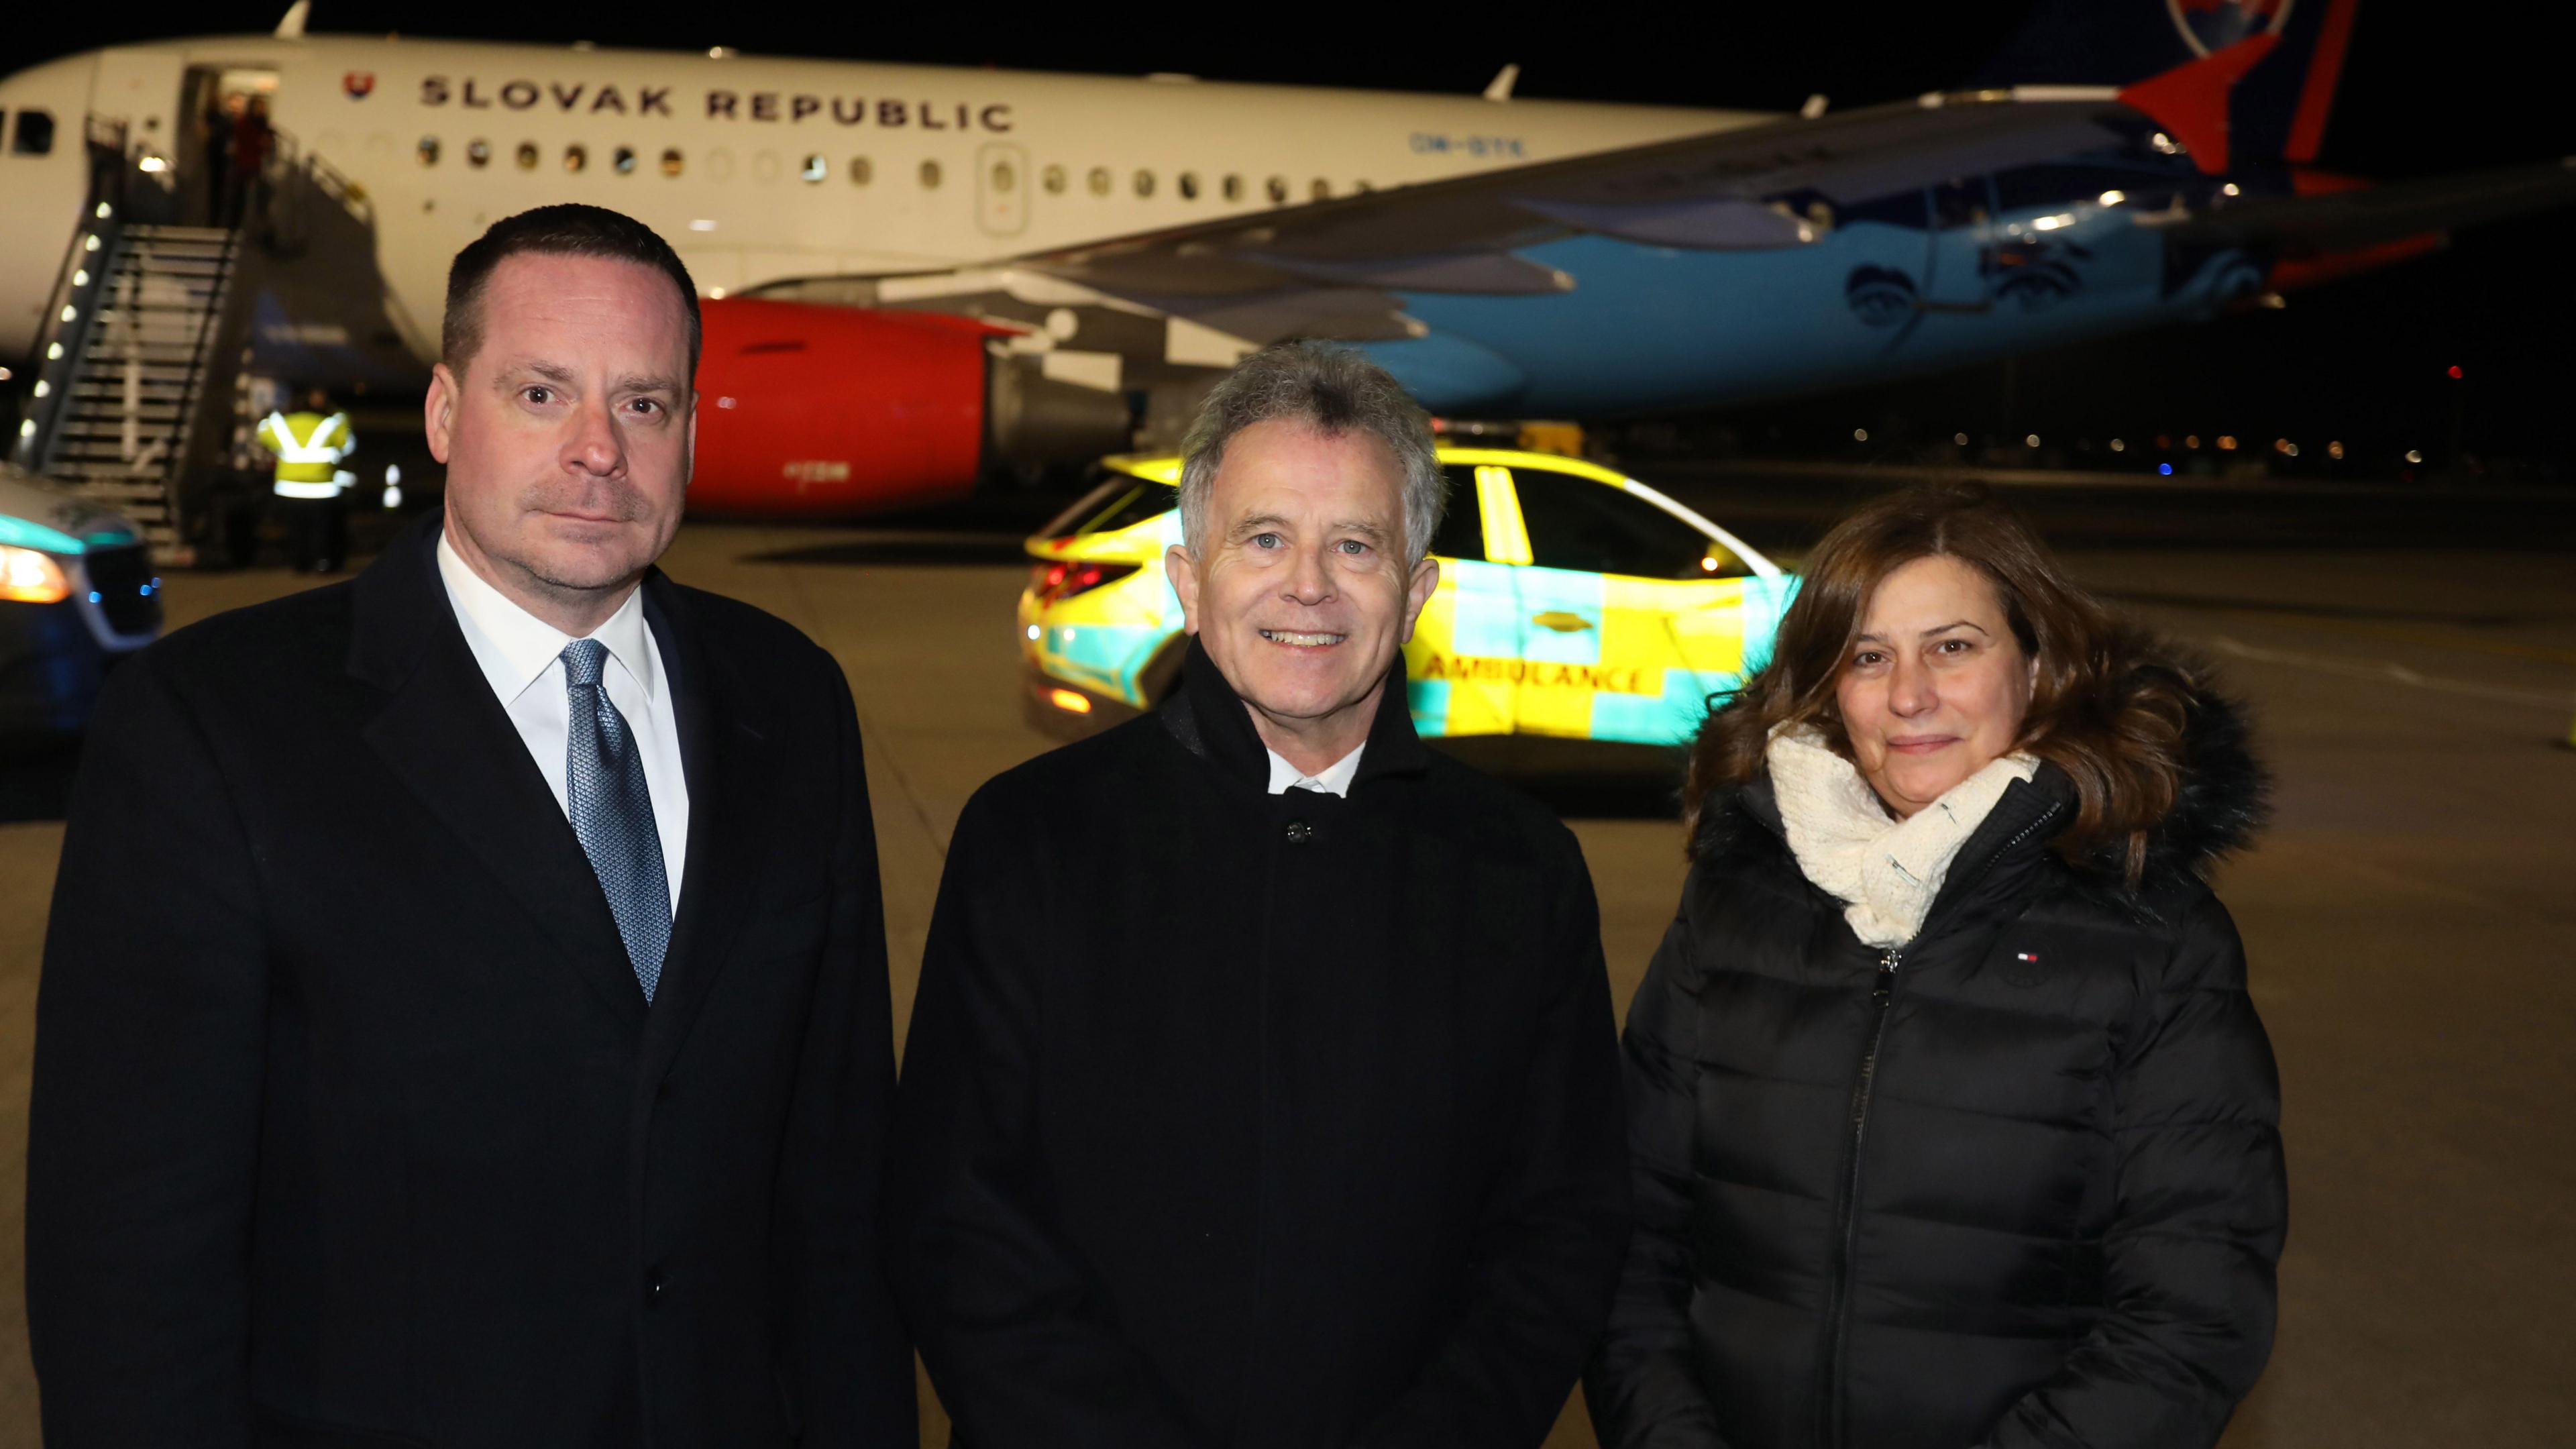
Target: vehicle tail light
<point>29,577</point>
<point>1054,583</point>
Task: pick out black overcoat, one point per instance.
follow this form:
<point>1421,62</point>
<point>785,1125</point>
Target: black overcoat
<point>351,1124</point>
<point>1240,1119</point>
<point>2018,1183</point>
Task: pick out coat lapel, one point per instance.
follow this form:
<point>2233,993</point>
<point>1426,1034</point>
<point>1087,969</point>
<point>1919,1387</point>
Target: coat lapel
<point>446,737</point>
<point>728,761</point>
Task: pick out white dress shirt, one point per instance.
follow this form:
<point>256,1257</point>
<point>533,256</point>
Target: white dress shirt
<point>1333,779</point>
<point>522,656</point>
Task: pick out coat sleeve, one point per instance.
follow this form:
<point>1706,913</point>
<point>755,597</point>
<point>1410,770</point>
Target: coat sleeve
<point>1009,1322</point>
<point>1554,1225</point>
<point>143,1137</point>
<point>850,1363</point>
<point>1640,1387</point>
<point>2200,1218</point>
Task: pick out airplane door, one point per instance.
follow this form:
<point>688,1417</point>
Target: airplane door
<point>140,88</point>
<point>1961,222</point>
<point>1002,189</point>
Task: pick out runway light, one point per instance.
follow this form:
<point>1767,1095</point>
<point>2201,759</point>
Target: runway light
<point>2164,440</point>
<point>2334,450</point>
<point>2165,468</point>
<point>2230,189</point>
<point>2292,450</point>
<point>1068,701</point>
<point>2114,197</point>
<point>2031,441</point>
<point>2163,143</point>
<point>1860,435</point>
<point>2411,455</point>
<point>2455,372</point>
<point>2283,445</point>
<point>2191,441</point>
<point>2118,446</point>
<point>2227,442</point>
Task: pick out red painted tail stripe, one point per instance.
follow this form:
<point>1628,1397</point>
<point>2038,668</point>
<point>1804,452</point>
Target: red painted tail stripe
<point>2325,68</point>
<point>2190,100</point>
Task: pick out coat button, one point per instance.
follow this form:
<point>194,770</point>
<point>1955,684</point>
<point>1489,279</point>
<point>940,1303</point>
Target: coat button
<point>1299,832</point>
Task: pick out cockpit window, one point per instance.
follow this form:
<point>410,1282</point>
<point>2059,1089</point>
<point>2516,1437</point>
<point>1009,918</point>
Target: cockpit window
<point>34,135</point>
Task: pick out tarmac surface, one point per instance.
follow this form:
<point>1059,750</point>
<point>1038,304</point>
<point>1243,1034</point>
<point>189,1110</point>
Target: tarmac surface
<point>2408,917</point>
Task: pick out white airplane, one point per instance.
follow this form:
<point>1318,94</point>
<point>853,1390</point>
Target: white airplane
<point>913,271</point>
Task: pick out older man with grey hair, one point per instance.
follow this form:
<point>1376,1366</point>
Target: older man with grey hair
<point>1261,1089</point>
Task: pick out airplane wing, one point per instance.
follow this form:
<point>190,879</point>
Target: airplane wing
<point>2366,216</point>
<point>1334,268</point>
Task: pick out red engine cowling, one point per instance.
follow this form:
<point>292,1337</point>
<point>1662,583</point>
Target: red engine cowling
<point>834,412</point>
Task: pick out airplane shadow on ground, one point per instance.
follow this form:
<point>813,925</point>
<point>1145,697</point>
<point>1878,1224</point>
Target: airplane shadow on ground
<point>36,781</point>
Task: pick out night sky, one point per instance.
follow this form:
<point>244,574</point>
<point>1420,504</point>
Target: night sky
<point>2427,88</point>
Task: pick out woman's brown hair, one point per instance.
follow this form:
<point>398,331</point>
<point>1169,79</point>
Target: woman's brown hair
<point>2101,708</point>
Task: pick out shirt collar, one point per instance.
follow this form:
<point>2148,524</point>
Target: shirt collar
<point>515,647</point>
<point>1333,779</point>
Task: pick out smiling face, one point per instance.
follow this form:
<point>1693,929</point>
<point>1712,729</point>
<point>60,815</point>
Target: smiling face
<point>1935,687</point>
<point>1300,590</point>
<point>569,435</point>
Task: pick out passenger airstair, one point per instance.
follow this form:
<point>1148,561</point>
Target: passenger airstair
<point>136,379</point>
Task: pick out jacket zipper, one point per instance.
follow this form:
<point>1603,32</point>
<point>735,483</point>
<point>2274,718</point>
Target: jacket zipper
<point>1847,1226</point>
<point>1882,993</point>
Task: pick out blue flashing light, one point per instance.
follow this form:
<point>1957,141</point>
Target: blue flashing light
<point>147,589</point>
<point>93,596</point>
<point>2165,468</point>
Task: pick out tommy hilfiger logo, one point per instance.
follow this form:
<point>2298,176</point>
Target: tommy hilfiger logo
<point>2030,956</point>
<point>2024,969</point>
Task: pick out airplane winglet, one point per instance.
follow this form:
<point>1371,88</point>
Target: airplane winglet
<point>1499,90</point>
<point>2190,100</point>
<point>292,26</point>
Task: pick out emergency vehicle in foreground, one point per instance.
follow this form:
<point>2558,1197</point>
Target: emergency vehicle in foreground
<point>1574,603</point>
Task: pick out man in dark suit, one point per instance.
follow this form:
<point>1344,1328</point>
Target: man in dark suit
<point>464,1016</point>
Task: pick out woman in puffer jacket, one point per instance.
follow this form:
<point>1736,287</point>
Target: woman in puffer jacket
<point>1951,1121</point>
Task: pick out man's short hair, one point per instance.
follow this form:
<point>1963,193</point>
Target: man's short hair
<point>567,230</point>
<point>1333,389</point>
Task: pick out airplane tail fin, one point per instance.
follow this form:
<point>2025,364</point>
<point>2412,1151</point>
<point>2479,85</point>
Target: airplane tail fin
<point>2259,73</point>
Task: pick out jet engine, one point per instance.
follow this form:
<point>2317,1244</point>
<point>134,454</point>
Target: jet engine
<point>813,411</point>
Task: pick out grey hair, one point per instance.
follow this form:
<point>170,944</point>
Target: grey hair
<point>1334,389</point>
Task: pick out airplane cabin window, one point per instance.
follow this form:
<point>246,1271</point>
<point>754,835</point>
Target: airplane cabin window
<point>428,148</point>
<point>1005,176</point>
<point>478,152</point>
<point>1053,179</point>
<point>1277,189</point>
<point>1575,523</point>
<point>1100,181</point>
<point>1144,183</point>
<point>576,157</point>
<point>1189,184</point>
<point>816,168</point>
<point>1323,189</point>
<point>625,160</point>
<point>35,133</point>
<point>527,155</point>
<point>1233,187</point>
<point>861,171</point>
<point>673,162</point>
<point>930,176</point>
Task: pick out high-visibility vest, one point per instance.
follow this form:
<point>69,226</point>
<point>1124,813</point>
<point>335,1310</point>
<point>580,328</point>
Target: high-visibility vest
<point>309,447</point>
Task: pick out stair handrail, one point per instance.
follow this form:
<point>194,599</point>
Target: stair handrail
<point>72,306</point>
<point>182,450</point>
<point>288,228</point>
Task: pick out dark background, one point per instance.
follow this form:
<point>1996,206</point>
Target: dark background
<point>2426,88</point>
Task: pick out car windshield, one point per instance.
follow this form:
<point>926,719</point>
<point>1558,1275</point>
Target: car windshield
<point>1118,500</point>
<point>1575,523</point>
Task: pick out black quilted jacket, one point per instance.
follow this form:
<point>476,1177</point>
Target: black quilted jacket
<point>2016,1183</point>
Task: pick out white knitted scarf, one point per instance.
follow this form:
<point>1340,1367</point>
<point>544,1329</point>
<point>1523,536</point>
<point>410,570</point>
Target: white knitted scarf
<point>1885,871</point>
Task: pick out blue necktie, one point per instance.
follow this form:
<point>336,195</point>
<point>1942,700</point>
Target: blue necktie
<point>612,813</point>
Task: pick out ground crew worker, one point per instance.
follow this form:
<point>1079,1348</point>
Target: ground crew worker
<point>310,503</point>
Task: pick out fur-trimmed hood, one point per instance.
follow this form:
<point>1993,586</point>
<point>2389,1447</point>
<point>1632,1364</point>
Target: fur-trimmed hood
<point>2224,801</point>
